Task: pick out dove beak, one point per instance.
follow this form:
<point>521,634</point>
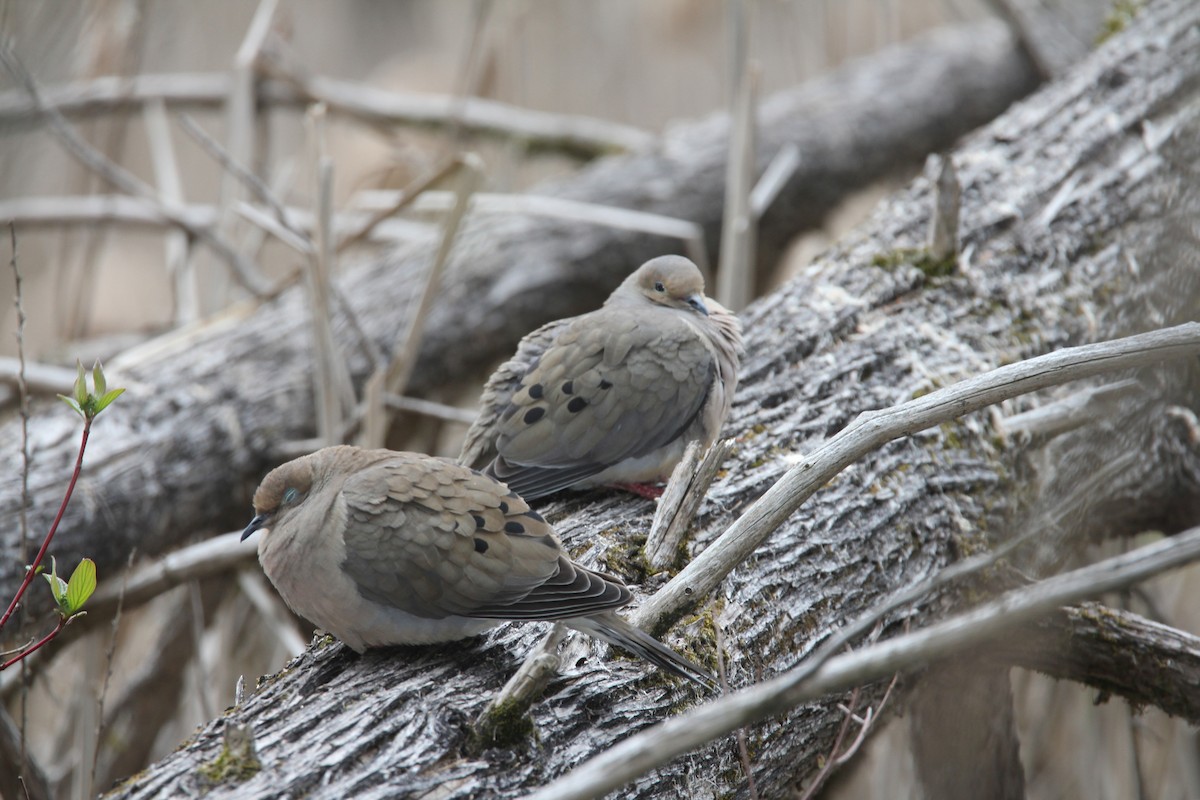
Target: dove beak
<point>259,521</point>
<point>696,301</point>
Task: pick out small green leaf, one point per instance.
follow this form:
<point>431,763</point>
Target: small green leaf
<point>107,399</point>
<point>58,587</point>
<point>98,382</point>
<point>71,402</point>
<point>81,392</point>
<point>81,585</point>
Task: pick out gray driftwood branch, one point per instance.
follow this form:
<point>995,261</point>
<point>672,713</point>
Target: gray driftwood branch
<point>1074,229</point>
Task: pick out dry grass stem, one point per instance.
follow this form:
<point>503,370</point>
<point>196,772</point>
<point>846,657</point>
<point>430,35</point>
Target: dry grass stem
<point>246,272</point>
<point>135,211</point>
<point>281,230</point>
<point>403,198</point>
<point>333,387</point>
<point>404,356</point>
<point>735,273</point>
<point>109,652</point>
<point>239,171</point>
<point>429,408</point>
<point>776,176</point>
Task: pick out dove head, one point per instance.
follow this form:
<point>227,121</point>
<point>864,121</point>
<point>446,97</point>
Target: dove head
<point>281,492</point>
<point>671,281</point>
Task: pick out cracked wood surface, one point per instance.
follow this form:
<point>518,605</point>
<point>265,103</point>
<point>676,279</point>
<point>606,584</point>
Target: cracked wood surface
<point>1074,203</point>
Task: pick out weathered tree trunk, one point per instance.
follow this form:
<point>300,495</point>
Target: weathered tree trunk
<point>206,410</point>
<point>1067,225</point>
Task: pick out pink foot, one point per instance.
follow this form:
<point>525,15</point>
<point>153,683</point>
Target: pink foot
<point>650,491</point>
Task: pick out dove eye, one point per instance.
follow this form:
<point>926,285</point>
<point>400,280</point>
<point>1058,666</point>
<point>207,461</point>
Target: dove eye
<point>658,286</point>
<point>291,495</point>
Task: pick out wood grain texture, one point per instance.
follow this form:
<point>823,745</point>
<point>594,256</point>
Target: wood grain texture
<point>1060,194</point>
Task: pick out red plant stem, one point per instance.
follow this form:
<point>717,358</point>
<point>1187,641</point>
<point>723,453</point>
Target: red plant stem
<point>29,573</point>
<point>33,648</point>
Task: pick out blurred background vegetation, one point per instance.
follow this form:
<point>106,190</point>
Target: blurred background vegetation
<point>93,290</point>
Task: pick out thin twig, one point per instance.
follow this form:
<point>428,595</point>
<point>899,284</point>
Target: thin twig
<point>429,408</point>
<point>837,756</point>
<point>238,170</point>
<point>38,645</point>
<point>32,569</point>
<point>404,198</point>
<point>23,516</point>
<point>198,664</point>
<point>688,232</point>
<point>1078,409</point>
<point>545,131</point>
<point>873,429</point>
<point>660,743</point>
<point>827,768</point>
<point>527,684</point>
<point>405,355</point>
<point>774,178</point>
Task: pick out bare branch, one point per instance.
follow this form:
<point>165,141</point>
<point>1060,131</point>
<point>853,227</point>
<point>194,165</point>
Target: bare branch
<point>662,742</point>
<point>872,429</point>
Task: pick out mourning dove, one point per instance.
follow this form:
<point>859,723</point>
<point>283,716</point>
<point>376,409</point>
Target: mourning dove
<point>614,395</point>
<point>379,548</point>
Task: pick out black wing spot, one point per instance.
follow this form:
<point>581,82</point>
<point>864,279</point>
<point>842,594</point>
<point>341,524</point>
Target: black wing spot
<point>534,515</point>
<point>535,391</point>
<point>605,384</point>
<point>514,527</point>
<point>568,387</point>
<point>534,414</point>
<point>480,545</point>
<point>503,507</point>
<point>479,523</point>
<point>576,405</point>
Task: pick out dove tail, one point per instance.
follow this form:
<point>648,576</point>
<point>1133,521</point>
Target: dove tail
<point>618,632</point>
